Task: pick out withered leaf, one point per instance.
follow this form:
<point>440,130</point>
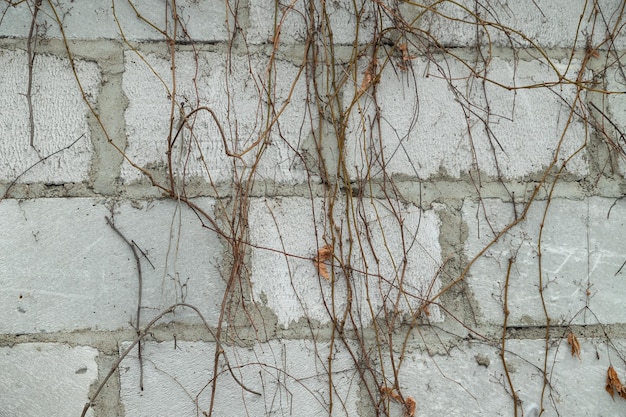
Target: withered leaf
<point>391,393</point>
<point>613,384</point>
<point>368,76</point>
<point>323,255</point>
<point>612,380</point>
<point>403,47</point>
<point>367,79</point>
<point>410,406</point>
<point>573,342</point>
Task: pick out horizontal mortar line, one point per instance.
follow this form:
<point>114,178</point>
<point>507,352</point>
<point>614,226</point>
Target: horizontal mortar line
<point>488,189</point>
<point>54,46</point>
<point>580,330</point>
<point>108,340</point>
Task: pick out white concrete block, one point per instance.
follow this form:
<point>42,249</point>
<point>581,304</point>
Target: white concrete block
<point>557,24</point>
<point>202,20</point>
<point>18,19</point>
<point>74,272</point>
<point>291,377</point>
<point>527,125</point>
<point>266,18</point>
<point>205,20</point>
<point>582,252</point>
<point>470,381</point>
<point>286,234</point>
<point>339,18</point>
<point>554,24</point>
<point>46,379</point>
<point>59,115</point>
<point>237,97</point>
<point>429,127</point>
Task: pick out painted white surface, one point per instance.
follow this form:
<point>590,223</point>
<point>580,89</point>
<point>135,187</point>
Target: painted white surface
<point>63,270</point>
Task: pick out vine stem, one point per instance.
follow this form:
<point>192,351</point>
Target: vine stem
<point>32,35</point>
<point>139,290</point>
<point>503,342</point>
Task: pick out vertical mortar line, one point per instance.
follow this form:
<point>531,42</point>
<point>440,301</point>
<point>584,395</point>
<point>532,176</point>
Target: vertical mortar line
<point>332,90</point>
<point>465,272</point>
<point>91,107</point>
<point>115,367</point>
<point>108,160</point>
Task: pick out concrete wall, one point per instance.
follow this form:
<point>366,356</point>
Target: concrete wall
<point>312,208</point>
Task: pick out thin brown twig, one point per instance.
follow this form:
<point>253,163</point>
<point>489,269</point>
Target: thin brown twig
<point>32,38</point>
<point>125,352</point>
<point>503,339</point>
<point>139,294</point>
<point>16,179</point>
<point>141,334</point>
<point>319,42</point>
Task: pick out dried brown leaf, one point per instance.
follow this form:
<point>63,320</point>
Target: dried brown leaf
<point>411,405</point>
<point>367,80</point>
<point>391,393</point>
<point>613,384</point>
<point>612,381</point>
<point>573,342</point>
<point>405,52</point>
<point>323,255</point>
<point>368,75</point>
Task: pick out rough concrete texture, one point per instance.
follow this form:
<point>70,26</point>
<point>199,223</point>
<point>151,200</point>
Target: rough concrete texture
<point>235,103</point>
<point>45,379</point>
<point>591,240</point>
<point>285,281</point>
<point>353,205</point>
<point>291,374</point>
<point>343,22</point>
<point>204,20</point>
<point>443,131</point>
<point>470,380</point>
<point>77,273</point>
<point>556,24</point>
<point>59,116</point>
